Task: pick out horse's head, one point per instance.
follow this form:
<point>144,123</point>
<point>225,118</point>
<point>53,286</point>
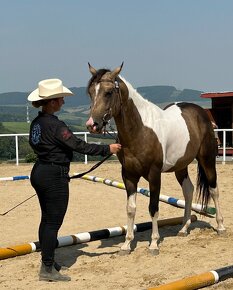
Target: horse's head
<point>104,91</point>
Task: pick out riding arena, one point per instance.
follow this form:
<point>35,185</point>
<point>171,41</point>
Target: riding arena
<point>109,238</point>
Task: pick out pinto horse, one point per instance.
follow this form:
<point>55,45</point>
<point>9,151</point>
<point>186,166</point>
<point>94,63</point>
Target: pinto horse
<point>155,141</point>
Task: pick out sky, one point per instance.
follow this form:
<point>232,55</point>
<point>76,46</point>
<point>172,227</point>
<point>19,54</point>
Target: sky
<point>183,43</point>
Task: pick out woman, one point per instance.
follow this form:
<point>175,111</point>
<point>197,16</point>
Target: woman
<point>54,143</point>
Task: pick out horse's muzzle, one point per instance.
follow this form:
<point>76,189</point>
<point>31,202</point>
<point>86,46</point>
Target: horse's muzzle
<point>94,127</point>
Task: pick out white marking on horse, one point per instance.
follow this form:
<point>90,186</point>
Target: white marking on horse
<point>132,203</point>
<point>131,210</point>
<point>169,126</point>
<point>97,88</point>
<point>215,195</point>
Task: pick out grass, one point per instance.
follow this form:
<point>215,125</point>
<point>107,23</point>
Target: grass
<point>17,127</point>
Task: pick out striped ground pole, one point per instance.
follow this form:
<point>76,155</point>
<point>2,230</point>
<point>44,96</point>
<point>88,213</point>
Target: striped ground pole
<point>13,251</point>
<point>198,281</point>
<point>164,198</point>
<point>14,178</point>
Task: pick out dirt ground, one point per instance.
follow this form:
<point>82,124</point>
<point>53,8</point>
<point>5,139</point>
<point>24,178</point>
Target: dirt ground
<point>95,206</point>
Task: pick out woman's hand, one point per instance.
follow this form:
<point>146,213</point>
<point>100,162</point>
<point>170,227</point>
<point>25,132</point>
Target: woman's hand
<point>114,148</point>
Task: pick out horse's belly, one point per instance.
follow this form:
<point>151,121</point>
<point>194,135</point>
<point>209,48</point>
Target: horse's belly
<point>175,149</point>
<point>173,155</point>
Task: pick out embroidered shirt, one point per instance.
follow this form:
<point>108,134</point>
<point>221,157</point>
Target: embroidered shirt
<point>52,140</point>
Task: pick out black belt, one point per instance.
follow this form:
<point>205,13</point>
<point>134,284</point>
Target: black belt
<point>53,163</point>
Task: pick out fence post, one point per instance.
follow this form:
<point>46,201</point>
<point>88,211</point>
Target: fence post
<point>85,138</point>
<point>224,148</point>
<point>16,150</point>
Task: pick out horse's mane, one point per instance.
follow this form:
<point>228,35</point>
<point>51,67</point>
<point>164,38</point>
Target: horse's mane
<point>136,96</point>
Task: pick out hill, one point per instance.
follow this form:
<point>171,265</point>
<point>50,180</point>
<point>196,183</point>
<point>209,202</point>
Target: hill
<point>14,106</point>
<point>20,98</point>
<point>155,94</point>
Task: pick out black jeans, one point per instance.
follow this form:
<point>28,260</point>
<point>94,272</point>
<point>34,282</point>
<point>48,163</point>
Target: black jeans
<point>51,184</point>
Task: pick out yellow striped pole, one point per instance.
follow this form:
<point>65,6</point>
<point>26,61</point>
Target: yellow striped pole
<point>14,251</point>
<point>198,281</point>
<point>190,283</point>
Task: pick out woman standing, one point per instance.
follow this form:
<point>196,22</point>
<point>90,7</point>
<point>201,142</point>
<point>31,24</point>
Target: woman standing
<point>54,143</point>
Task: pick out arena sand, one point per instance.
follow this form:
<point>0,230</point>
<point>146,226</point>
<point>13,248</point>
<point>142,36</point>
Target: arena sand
<point>94,206</point>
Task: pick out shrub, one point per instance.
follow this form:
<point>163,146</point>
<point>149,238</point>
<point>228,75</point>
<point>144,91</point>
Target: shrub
<point>30,158</point>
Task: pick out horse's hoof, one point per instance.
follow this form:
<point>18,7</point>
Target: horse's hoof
<point>154,252</point>
<point>124,252</point>
<point>222,232</point>
<point>182,234</point>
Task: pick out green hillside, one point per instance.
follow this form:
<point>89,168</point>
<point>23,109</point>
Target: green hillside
<point>16,127</point>
<point>14,105</point>
<point>156,94</point>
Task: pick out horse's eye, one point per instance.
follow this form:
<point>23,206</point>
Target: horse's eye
<point>108,94</point>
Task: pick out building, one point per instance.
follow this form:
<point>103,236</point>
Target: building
<point>221,112</point>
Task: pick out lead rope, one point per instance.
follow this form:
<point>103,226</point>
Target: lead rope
<point>91,169</point>
<point>69,177</point>
<point>101,161</point>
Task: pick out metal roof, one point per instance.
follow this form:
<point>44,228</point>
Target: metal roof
<point>217,95</point>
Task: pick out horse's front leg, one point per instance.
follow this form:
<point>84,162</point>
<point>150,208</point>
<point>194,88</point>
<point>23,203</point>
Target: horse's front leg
<point>131,189</point>
<point>154,185</point>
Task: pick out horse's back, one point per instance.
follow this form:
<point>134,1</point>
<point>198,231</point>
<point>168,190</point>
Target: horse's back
<point>195,117</point>
<point>194,109</point>
<point>189,128</point>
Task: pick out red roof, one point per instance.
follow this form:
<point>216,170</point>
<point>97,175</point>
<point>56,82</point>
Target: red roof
<point>217,95</point>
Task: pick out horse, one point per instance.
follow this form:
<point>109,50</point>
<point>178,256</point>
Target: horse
<point>155,141</point>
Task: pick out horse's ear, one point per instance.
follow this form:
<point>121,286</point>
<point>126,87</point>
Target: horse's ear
<point>116,71</point>
<point>91,69</point>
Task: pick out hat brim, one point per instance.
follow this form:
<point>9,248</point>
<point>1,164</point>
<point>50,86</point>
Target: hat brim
<point>34,96</point>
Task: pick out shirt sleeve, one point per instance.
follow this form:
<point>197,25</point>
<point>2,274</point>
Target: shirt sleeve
<point>66,137</point>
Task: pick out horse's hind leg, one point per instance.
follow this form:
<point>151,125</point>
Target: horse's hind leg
<point>187,188</point>
<point>131,189</point>
<point>207,164</point>
<point>215,196</point>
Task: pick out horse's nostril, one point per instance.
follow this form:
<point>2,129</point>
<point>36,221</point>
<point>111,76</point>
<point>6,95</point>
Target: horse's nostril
<point>96,127</point>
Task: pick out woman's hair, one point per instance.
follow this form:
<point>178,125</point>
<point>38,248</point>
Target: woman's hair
<point>40,103</point>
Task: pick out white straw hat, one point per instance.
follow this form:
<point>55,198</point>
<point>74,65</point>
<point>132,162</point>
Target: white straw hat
<point>49,89</point>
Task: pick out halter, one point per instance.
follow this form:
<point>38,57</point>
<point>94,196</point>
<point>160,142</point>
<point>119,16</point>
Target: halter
<point>105,119</point>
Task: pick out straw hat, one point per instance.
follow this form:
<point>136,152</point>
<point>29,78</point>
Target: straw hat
<point>49,89</point>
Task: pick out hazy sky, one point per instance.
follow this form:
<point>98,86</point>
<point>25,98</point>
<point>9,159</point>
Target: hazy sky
<point>184,43</point>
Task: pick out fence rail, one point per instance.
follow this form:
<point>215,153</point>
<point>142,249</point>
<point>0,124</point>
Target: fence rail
<point>224,148</point>
<point>85,134</point>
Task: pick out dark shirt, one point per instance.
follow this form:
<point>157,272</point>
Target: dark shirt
<point>53,141</point>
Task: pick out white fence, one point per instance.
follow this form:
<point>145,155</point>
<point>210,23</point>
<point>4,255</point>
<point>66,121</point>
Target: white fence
<point>26,135</point>
<point>85,134</point>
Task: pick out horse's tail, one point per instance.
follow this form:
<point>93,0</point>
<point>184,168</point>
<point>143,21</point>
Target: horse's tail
<point>203,193</point>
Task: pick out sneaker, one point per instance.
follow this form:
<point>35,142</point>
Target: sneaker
<point>50,274</point>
